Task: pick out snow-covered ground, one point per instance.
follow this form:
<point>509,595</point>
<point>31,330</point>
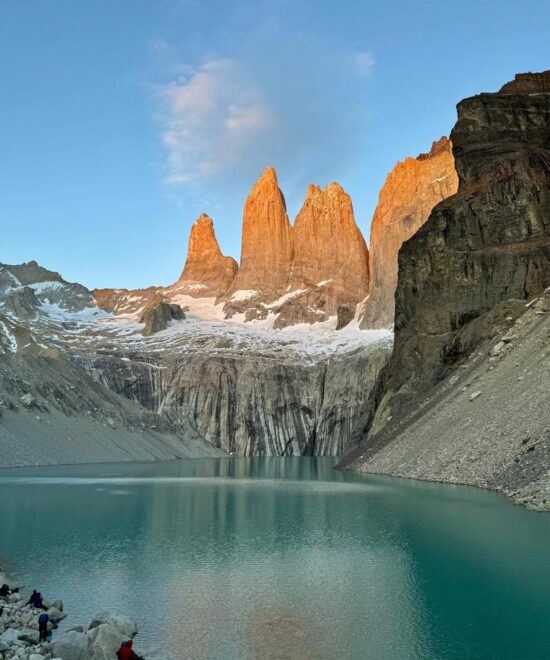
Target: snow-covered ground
<point>204,329</point>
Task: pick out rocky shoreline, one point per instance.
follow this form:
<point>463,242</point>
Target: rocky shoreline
<point>19,632</point>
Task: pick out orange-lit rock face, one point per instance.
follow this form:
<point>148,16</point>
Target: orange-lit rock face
<point>410,192</point>
<point>330,253</point>
<point>266,250</point>
<point>207,272</point>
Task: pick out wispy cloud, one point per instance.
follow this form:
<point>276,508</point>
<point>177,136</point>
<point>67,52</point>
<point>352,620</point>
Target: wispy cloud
<point>209,120</point>
<point>364,63</point>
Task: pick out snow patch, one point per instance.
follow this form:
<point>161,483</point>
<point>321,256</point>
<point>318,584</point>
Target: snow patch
<point>12,342</point>
<point>285,297</point>
<point>244,294</point>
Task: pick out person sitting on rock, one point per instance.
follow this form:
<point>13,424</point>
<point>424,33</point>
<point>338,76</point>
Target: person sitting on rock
<point>43,627</point>
<point>36,600</point>
<point>125,652</point>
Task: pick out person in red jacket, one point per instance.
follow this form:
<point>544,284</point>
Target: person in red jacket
<point>125,652</point>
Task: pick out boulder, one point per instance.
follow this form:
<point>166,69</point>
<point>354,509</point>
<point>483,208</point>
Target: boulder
<point>28,635</point>
<point>55,614</point>
<point>125,625</point>
<point>72,645</point>
<point>344,316</point>
<point>104,640</point>
<point>9,636</point>
<point>158,317</point>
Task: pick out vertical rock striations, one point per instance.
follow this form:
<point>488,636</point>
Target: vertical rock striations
<point>409,194</point>
<point>207,272</point>
<point>328,244</point>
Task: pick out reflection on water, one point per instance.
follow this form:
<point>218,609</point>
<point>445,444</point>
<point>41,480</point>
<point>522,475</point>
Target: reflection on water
<point>283,558</point>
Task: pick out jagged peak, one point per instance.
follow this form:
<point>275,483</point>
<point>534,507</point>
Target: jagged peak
<point>317,193</point>
<point>267,178</point>
<point>443,145</point>
<point>203,219</point>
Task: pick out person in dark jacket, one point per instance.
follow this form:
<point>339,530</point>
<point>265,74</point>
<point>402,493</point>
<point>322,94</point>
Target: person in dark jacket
<point>36,600</point>
<point>6,590</point>
<point>43,627</point>
<point>125,652</point>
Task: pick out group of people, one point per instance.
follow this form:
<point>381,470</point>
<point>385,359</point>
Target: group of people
<point>125,652</point>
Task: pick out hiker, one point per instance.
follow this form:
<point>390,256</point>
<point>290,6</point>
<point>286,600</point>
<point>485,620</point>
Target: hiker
<point>125,652</point>
<point>43,627</point>
<point>6,590</point>
<point>36,600</point>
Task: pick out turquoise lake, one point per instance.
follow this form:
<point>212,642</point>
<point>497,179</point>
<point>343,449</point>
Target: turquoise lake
<point>282,558</point>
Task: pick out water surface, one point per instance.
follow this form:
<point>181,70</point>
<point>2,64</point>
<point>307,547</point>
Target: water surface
<point>283,558</point>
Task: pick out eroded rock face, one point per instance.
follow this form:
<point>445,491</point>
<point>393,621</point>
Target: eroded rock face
<point>158,317</point>
<point>266,251</point>
<point>252,404</point>
<point>410,192</point>
<point>486,245</point>
<point>207,272</point>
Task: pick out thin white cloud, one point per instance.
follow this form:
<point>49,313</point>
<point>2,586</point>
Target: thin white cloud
<point>364,63</point>
<point>209,120</point>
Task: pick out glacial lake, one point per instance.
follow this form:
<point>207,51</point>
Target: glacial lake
<point>282,558</point>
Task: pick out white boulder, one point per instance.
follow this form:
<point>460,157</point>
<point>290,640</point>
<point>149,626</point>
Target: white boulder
<point>72,645</point>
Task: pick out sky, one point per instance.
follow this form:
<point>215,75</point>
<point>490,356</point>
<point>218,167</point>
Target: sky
<point>121,121</point>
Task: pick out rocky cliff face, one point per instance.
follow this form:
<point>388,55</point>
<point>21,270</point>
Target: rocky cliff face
<point>266,251</point>
<point>487,244</point>
<point>471,268</point>
<point>410,192</point>
<point>207,273</point>
<point>330,258</point>
<point>250,403</point>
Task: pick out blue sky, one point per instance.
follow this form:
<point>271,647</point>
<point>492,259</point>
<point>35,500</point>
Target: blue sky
<point>121,121</point>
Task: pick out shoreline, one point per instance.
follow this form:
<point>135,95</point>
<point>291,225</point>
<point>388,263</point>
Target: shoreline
<point>509,496</point>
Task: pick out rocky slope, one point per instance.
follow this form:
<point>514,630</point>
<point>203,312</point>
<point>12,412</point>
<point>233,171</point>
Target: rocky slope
<point>207,273</point>
<point>481,254</point>
<point>488,424</point>
<point>51,410</point>
<point>409,194</point>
